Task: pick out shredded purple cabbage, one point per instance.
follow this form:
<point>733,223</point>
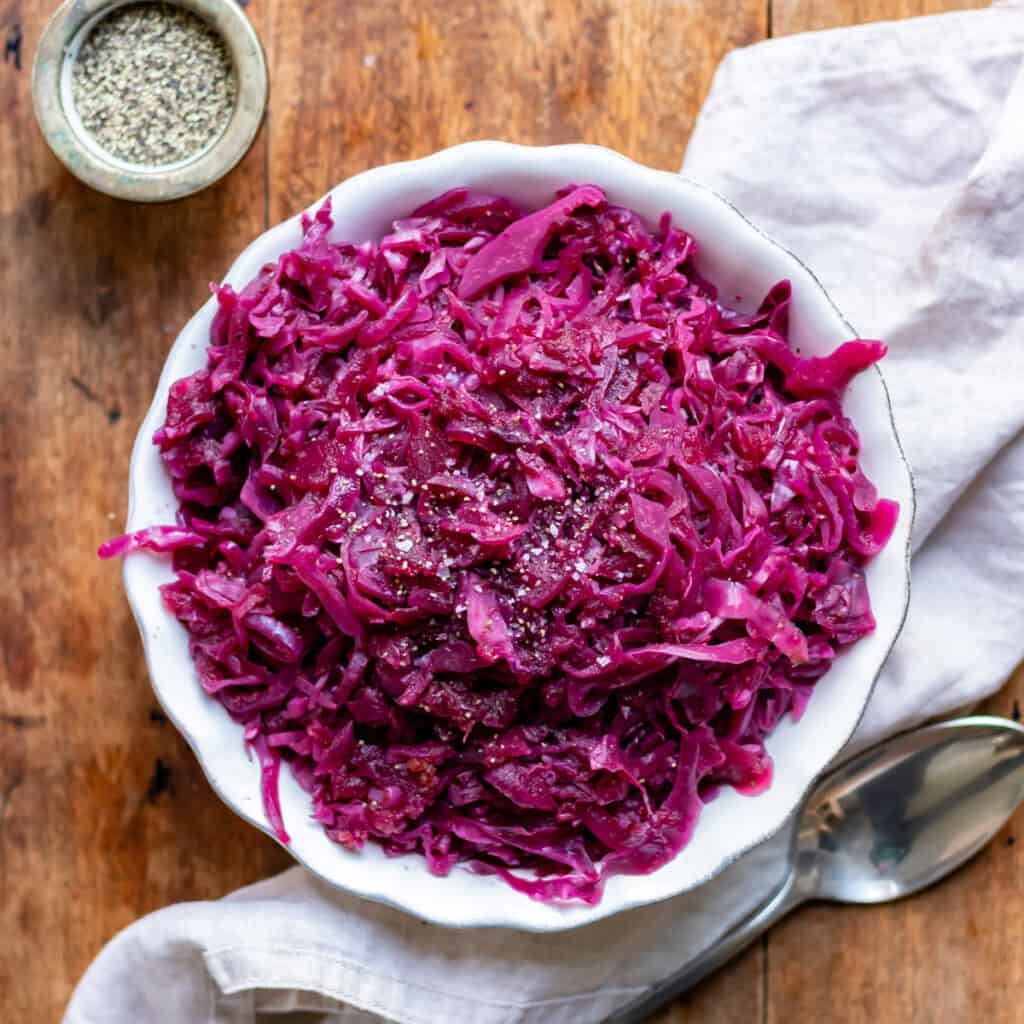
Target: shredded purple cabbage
<point>509,538</point>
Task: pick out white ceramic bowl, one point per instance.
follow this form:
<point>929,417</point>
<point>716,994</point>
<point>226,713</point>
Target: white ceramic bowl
<point>742,262</point>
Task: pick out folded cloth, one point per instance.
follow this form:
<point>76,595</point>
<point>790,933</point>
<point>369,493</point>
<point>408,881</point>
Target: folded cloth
<point>890,158</point>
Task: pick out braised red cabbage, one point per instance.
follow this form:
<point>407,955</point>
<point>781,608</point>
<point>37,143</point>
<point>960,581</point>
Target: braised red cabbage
<point>510,538</point>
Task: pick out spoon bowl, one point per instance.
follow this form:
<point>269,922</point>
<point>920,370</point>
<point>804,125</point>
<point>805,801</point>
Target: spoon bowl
<point>902,815</point>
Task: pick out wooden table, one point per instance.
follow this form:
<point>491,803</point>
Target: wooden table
<point>104,814</point>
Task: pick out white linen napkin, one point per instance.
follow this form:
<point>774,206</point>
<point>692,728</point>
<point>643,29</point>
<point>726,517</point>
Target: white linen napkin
<point>891,159</point>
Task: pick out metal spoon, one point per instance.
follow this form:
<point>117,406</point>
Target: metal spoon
<point>886,824</point>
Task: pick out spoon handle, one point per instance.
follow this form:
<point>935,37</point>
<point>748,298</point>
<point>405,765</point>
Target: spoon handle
<point>785,898</point>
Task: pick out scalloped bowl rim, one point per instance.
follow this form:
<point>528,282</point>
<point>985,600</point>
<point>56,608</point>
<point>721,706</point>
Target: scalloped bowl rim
<point>743,262</point>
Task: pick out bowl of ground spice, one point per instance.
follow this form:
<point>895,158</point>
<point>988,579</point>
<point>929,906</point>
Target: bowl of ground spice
<point>149,100</point>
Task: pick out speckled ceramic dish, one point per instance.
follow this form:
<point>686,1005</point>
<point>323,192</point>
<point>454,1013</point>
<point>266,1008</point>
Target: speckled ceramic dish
<point>742,262</point>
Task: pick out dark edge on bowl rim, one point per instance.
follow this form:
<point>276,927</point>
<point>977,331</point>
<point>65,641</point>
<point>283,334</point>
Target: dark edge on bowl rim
<point>142,442</point>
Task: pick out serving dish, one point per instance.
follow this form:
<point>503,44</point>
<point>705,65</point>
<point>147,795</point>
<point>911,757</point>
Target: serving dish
<point>744,264</point>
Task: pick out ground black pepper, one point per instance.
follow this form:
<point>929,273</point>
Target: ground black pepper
<point>153,84</point>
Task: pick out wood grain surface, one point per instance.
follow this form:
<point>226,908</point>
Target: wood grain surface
<point>104,813</point>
